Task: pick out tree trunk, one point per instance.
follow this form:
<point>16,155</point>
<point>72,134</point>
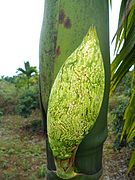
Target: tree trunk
<point>64,26</point>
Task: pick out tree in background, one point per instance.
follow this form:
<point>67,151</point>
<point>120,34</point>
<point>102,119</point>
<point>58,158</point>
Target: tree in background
<point>20,94</point>
<point>28,72</point>
<point>27,83</point>
<point>125,59</point>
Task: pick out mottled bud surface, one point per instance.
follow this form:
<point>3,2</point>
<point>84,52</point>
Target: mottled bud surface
<point>76,97</point>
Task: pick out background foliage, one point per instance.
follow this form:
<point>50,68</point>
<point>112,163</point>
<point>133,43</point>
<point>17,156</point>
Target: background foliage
<point>8,97</point>
<point>124,61</point>
<point>20,94</point>
<point>118,103</point>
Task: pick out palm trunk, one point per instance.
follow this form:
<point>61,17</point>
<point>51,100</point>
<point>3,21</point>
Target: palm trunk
<point>64,26</point>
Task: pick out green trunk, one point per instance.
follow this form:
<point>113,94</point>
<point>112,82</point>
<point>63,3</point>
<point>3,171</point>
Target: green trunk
<point>65,24</point>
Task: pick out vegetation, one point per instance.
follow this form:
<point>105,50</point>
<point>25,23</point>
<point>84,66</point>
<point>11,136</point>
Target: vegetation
<point>75,80</point>
<point>60,40</point>
<point>27,102</point>
<point>22,150</point>
<point>125,59</point>
<point>27,73</point>
<point>20,94</point>
<point>118,104</point>
<point>22,145</point>
<point>8,97</point>
<point>21,138</point>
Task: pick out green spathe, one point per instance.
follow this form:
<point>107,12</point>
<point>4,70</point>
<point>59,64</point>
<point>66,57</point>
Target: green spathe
<point>75,102</point>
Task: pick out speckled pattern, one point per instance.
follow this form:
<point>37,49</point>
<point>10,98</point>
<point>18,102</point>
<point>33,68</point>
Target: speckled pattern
<point>76,97</point>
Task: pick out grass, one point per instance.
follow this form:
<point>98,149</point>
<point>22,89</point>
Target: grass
<point>22,151</point>
<point>22,148</point>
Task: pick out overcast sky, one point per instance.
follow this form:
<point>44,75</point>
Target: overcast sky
<point>20,31</point>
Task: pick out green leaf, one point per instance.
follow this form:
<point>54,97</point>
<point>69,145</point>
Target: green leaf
<point>129,116</point>
<point>120,23</point>
<point>132,161</point>
<point>126,49</point>
<point>110,3</point>
<point>122,70</point>
<point>125,58</point>
<point>21,70</point>
<point>131,18</point>
<point>131,135</point>
<point>125,21</point>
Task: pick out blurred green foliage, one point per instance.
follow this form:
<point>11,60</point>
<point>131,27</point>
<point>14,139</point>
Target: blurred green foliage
<point>8,97</point>
<point>118,103</point>
<point>27,101</point>
<point>20,93</point>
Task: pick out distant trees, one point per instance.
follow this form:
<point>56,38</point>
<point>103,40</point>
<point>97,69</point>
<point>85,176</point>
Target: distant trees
<point>20,93</point>
<point>27,72</point>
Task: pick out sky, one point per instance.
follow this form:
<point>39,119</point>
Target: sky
<point>20,28</point>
